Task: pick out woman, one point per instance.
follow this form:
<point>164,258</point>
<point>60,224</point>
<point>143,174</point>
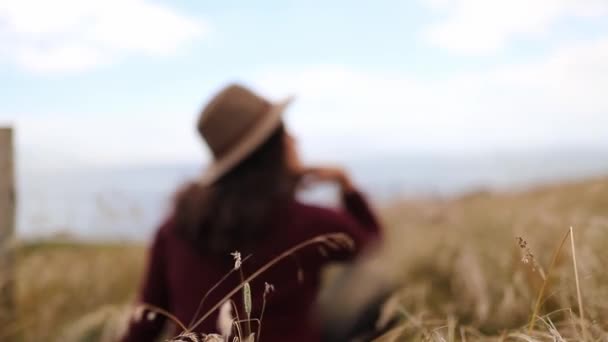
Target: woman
<point>245,202</point>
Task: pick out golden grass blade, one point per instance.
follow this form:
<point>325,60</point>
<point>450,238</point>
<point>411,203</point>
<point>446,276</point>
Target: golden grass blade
<point>463,335</point>
<point>578,287</point>
<point>545,283</point>
<point>451,328</point>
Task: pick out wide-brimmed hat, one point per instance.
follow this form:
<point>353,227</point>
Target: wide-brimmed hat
<point>233,124</point>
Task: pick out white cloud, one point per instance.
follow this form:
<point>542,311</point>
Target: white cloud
<point>110,139</point>
<point>555,101</point>
<point>474,27</point>
<point>558,100</point>
<point>73,35</point>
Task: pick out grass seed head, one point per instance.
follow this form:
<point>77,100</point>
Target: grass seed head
<point>236,255</point>
<point>247,299</point>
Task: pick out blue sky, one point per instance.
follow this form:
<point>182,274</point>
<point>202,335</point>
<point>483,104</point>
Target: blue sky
<point>122,81</point>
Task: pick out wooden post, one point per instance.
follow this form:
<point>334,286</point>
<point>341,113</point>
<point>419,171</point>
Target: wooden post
<point>7,226</point>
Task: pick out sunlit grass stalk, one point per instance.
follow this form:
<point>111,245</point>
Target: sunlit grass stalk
<point>261,317</point>
<point>578,287</point>
<point>545,283</point>
<point>238,319</point>
<point>451,328</point>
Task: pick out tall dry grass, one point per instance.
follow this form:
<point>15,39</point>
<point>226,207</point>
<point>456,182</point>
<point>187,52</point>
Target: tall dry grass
<point>460,266</point>
<point>70,291</point>
<point>466,277</point>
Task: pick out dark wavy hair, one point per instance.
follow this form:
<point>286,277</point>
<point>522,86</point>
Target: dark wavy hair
<point>231,213</point>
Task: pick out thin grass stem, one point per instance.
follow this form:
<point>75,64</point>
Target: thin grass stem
<point>545,283</point>
<point>200,305</point>
<point>578,287</point>
<point>315,240</point>
<point>163,312</point>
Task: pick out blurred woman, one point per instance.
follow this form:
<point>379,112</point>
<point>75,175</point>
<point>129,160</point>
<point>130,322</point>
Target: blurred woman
<point>245,201</point>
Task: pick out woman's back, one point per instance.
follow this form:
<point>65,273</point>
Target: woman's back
<point>180,275</point>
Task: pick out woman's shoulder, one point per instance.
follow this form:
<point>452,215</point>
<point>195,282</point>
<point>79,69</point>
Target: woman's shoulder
<point>316,215</point>
<point>166,229</point>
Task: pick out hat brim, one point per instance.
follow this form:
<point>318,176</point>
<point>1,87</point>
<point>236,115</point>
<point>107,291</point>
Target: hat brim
<point>249,143</point>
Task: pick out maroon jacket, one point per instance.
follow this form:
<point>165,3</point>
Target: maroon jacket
<point>178,276</point>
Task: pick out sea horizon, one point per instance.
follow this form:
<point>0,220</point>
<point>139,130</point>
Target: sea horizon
<point>127,203</point>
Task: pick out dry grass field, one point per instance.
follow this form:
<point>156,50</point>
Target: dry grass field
<point>68,291</point>
<point>466,277</point>
<point>463,272</point>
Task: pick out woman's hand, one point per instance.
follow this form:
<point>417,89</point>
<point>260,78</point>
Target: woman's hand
<point>328,174</point>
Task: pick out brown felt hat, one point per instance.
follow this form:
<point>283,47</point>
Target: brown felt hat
<point>233,124</point>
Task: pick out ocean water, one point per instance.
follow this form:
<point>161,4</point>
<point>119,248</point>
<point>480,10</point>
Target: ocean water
<point>127,203</point>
